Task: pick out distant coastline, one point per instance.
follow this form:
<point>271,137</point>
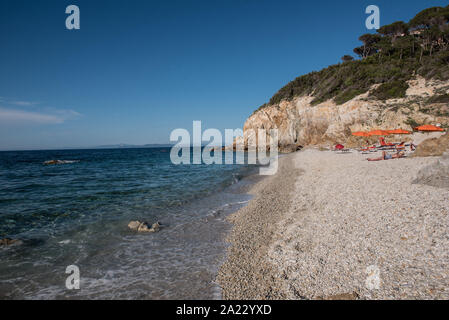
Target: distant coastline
<point>111,146</point>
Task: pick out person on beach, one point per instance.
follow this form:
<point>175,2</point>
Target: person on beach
<point>387,156</point>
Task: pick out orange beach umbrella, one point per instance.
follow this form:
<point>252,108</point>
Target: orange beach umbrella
<point>399,131</point>
<point>428,127</point>
<point>361,134</point>
<point>379,133</point>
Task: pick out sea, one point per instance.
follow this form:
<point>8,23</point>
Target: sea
<point>75,214</point>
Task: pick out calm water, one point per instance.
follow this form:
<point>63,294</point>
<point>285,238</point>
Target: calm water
<point>77,214</point>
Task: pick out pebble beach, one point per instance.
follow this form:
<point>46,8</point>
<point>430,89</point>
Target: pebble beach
<point>334,226</point>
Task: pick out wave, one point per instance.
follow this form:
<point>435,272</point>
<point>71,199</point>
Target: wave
<point>52,162</point>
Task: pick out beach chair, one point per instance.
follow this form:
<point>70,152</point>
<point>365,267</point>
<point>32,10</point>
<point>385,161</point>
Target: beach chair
<point>401,146</point>
<point>384,144</point>
<point>339,147</point>
<point>369,149</point>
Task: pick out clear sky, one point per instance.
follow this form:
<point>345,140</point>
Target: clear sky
<point>138,69</point>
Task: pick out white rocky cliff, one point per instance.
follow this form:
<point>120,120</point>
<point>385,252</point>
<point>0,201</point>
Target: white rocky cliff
<point>300,123</point>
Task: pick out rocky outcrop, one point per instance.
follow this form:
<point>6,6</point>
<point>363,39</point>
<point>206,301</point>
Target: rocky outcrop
<point>433,147</point>
<point>8,242</point>
<point>55,162</point>
<point>301,123</point>
<point>436,174</point>
<point>144,226</point>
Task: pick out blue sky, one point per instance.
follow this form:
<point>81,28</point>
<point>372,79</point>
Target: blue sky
<point>138,69</point>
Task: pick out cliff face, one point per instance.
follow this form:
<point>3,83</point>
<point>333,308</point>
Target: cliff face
<point>300,123</point>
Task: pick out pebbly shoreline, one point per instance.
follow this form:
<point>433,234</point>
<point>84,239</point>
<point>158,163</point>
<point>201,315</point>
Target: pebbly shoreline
<point>334,226</point>
<point>246,273</point>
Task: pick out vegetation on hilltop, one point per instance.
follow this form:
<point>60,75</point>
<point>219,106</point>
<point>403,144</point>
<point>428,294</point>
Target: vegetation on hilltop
<point>390,57</point>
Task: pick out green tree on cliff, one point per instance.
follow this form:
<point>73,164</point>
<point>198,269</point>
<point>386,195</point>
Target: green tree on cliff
<point>390,57</point>
<point>347,58</point>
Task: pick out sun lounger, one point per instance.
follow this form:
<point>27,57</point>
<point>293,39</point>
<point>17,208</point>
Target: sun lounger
<point>384,144</point>
<point>400,146</point>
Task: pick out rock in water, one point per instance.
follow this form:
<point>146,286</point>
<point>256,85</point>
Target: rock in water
<point>8,242</point>
<point>134,225</point>
<point>54,162</point>
<point>51,162</point>
<point>156,227</point>
<point>144,226</point>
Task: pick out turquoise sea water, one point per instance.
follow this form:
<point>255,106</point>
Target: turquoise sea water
<point>77,213</point>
